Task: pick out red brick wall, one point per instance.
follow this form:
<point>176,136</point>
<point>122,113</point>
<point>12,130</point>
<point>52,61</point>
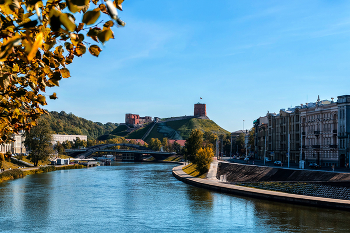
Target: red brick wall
<point>132,119</point>
<point>200,110</point>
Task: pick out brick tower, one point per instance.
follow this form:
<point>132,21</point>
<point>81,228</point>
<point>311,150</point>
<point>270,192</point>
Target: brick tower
<point>200,110</point>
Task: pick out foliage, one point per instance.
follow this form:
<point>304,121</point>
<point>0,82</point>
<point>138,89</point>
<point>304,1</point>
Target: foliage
<point>175,147</point>
<point>251,139</point>
<point>11,174</point>
<point>67,144</point>
<point>193,144</point>
<point>165,144</point>
<point>209,139</point>
<point>79,143</point>
<point>155,144</point>
<point>2,160</point>
<point>38,40</point>
<point>68,123</point>
<point>203,159</point>
<point>38,140</point>
<point>240,143</point>
<point>59,148</point>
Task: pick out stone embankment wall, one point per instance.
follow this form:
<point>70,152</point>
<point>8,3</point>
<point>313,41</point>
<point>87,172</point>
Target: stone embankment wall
<point>249,173</point>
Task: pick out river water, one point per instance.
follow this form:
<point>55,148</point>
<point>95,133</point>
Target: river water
<point>145,197</point>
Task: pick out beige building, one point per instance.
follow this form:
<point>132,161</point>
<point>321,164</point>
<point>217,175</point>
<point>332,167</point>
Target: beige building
<point>15,146</point>
<point>319,132</point>
<point>62,138</point>
<point>283,135</point>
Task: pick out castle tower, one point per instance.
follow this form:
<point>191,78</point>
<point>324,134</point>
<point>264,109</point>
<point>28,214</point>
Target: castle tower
<point>200,110</point>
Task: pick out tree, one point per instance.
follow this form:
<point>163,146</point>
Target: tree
<point>79,143</point>
<point>203,159</point>
<point>193,144</point>
<point>67,144</point>
<point>240,143</point>
<point>155,144</point>
<point>38,40</point>
<point>251,139</point>
<point>59,148</point>
<point>2,160</point>
<point>38,141</point>
<point>176,147</point>
<point>165,144</point>
<point>210,139</point>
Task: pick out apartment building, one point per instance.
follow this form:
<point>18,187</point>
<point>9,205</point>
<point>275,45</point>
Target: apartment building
<point>319,133</point>
<point>315,132</point>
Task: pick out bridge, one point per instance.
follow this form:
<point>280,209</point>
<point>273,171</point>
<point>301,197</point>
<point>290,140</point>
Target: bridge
<point>138,152</point>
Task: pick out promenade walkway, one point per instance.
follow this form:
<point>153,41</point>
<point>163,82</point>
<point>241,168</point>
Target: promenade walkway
<point>260,193</point>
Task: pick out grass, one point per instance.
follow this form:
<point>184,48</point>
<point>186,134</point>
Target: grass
<point>8,165</point>
<point>138,134</point>
<point>201,124</point>
<point>191,170</point>
<point>119,129</point>
<point>154,134</point>
<point>25,159</point>
<point>174,158</point>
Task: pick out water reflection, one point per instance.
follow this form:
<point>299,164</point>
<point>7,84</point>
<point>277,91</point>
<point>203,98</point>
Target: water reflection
<point>130,197</point>
<point>287,216</point>
<point>199,199</point>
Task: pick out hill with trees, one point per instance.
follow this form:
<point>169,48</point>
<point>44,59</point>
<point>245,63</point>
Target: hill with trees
<point>177,129</point>
<point>68,123</point>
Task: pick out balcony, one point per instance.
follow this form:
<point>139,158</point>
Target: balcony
<point>334,131</point>
<point>317,132</point>
<point>316,146</point>
<point>333,146</point>
<point>304,146</point>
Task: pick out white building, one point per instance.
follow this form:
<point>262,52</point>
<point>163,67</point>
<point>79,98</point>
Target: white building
<point>16,146</point>
<point>62,138</point>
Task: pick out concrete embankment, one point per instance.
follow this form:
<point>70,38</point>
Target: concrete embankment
<point>259,193</point>
<point>236,172</point>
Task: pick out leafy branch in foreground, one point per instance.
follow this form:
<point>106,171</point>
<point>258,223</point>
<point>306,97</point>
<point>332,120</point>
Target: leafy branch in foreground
<point>37,40</point>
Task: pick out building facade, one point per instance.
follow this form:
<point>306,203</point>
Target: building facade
<point>135,119</point>
<point>319,133</point>
<point>283,135</point>
<point>200,110</point>
<point>343,130</point>
<point>16,146</point>
<point>62,138</point>
<point>316,132</point>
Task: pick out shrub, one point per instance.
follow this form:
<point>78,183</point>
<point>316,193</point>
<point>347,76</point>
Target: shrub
<point>203,159</point>
<point>11,174</point>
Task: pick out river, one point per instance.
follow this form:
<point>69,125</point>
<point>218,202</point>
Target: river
<point>145,197</point>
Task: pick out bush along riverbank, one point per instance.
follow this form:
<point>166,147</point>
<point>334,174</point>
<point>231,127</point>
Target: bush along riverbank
<point>18,173</point>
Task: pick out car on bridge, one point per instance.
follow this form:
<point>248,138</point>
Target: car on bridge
<point>277,162</point>
<point>267,159</point>
<point>314,165</point>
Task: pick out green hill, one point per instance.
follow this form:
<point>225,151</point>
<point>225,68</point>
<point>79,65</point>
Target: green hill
<point>178,129</point>
<point>68,123</point>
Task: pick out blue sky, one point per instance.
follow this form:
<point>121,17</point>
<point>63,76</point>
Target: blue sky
<point>243,58</point>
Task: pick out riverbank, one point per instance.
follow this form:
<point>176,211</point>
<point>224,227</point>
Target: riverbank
<point>20,173</point>
<point>260,193</point>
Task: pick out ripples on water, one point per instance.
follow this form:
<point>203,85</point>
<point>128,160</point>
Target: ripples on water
<point>136,197</point>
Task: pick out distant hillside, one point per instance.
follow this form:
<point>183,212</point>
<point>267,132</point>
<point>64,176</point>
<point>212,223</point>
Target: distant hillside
<point>68,123</point>
<point>178,129</point>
